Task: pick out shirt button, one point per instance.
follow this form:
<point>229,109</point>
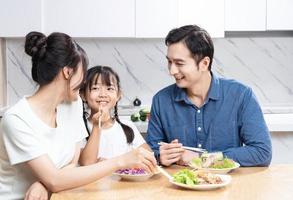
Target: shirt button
<point>199,129</point>
<point>198,111</point>
<point>199,145</point>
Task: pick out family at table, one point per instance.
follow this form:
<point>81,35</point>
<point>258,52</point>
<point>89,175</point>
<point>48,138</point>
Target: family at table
<point>68,133</point>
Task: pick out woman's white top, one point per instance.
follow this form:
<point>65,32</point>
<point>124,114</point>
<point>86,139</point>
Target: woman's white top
<point>23,137</point>
<point>113,140</point>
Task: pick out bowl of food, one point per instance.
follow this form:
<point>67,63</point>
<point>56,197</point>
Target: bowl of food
<point>134,174</point>
<point>217,166</point>
<point>199,180</point>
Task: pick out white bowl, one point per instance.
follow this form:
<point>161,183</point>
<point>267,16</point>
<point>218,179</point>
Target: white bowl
<point>135,177</point>
<point>218,171</point>
<point>224,170</point>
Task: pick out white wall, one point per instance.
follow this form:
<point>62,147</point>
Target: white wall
<point>2,75</point>
<point>18,17</point>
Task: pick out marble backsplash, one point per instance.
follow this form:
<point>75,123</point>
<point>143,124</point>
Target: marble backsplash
<point>264,63</point>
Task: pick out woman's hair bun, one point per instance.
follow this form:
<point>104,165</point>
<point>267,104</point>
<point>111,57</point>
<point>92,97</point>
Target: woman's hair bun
<point>35,44</point>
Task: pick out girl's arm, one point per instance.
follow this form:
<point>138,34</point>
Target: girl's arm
<point>57,180</point>
<point>89,155</point>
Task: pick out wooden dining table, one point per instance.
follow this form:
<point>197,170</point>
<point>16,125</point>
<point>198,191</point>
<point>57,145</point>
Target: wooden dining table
<point>248,183</point>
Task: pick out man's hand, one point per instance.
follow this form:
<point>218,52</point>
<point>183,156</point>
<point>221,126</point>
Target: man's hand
<point>37,192</point>
<point>170,152</point>
<point>186,157</point>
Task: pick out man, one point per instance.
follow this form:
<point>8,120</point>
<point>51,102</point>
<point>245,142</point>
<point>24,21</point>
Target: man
<point>203,110</point>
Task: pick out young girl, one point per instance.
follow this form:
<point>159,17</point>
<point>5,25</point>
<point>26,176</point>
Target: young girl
<point>108,136</point>
<point>41,134</point>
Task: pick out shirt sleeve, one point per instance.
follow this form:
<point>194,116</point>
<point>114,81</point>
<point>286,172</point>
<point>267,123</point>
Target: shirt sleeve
<point>155,133</point>
<point>20,140</point>
<point>257,149</point>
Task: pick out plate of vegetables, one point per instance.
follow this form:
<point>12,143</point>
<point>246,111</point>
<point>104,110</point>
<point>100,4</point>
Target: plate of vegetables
<point>134,174</point>
<point>214,165</point>
<point>199,180</point>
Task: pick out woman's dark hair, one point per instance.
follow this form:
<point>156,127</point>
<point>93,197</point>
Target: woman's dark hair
<point>197,40</point>
<point>50,54</point>
<point>107,74</point>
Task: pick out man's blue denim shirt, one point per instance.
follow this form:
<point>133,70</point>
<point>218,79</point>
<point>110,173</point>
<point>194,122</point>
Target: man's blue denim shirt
<point>230,121</point>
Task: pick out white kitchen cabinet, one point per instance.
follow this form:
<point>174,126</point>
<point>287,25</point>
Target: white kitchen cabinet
<point>209,14</point>
<point>155,18</point>
<point>245,15</point>
<point>90,18</point>
<point>279,15</point>
<point>18,17</point>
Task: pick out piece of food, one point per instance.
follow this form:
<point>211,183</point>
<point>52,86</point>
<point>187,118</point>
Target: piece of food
<point>135,117</point>
<point>143,118</point>
<point>185,176</point>
<point>131,171</point>
<point>144,112</point>
<point>196,163</point>
<point>214,155</point>
<point>223,164</point>
<point>190,177</point>
<point>212,160</point>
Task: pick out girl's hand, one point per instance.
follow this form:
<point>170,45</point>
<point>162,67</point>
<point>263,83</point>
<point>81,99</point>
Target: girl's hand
<point>100,117</point>
<point>37,192</point>
<point>140,158</point>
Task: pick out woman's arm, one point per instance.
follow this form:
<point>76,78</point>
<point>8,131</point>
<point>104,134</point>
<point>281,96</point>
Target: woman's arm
<point>38,191</point>
<point>57,180</point>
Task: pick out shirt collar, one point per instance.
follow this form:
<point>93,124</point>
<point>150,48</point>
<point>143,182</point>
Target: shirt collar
<point>214,91</point>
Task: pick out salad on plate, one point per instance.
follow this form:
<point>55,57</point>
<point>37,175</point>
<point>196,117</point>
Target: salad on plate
<point>199,180</point>
<point>214,163</point>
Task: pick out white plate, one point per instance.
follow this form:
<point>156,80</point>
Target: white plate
<point>137,177</point>
<point>219,171</point>
<point>225,178</point>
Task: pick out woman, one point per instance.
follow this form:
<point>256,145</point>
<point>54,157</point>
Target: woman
<point>39,143</point>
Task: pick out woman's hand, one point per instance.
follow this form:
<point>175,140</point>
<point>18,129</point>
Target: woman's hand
<point>37,191</point>
<point>140,158</point>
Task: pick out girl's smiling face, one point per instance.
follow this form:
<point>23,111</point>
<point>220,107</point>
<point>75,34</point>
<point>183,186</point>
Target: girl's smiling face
<point>102,93</point>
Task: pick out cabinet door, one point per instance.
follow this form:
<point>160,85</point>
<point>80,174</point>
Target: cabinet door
<point>245,15</point>
<point>18,17</point>
<point>155,18</point>
<point>90,18</point>
<point>279,14</point>
<point>208,14</point>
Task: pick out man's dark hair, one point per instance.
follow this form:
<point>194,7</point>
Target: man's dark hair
<point>197,40</point>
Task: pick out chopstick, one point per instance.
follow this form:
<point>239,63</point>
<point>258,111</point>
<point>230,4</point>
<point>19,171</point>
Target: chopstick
<point>164,172</point>
<point>100,108</point>
<point>100,122</point>
<point>199,150</point>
